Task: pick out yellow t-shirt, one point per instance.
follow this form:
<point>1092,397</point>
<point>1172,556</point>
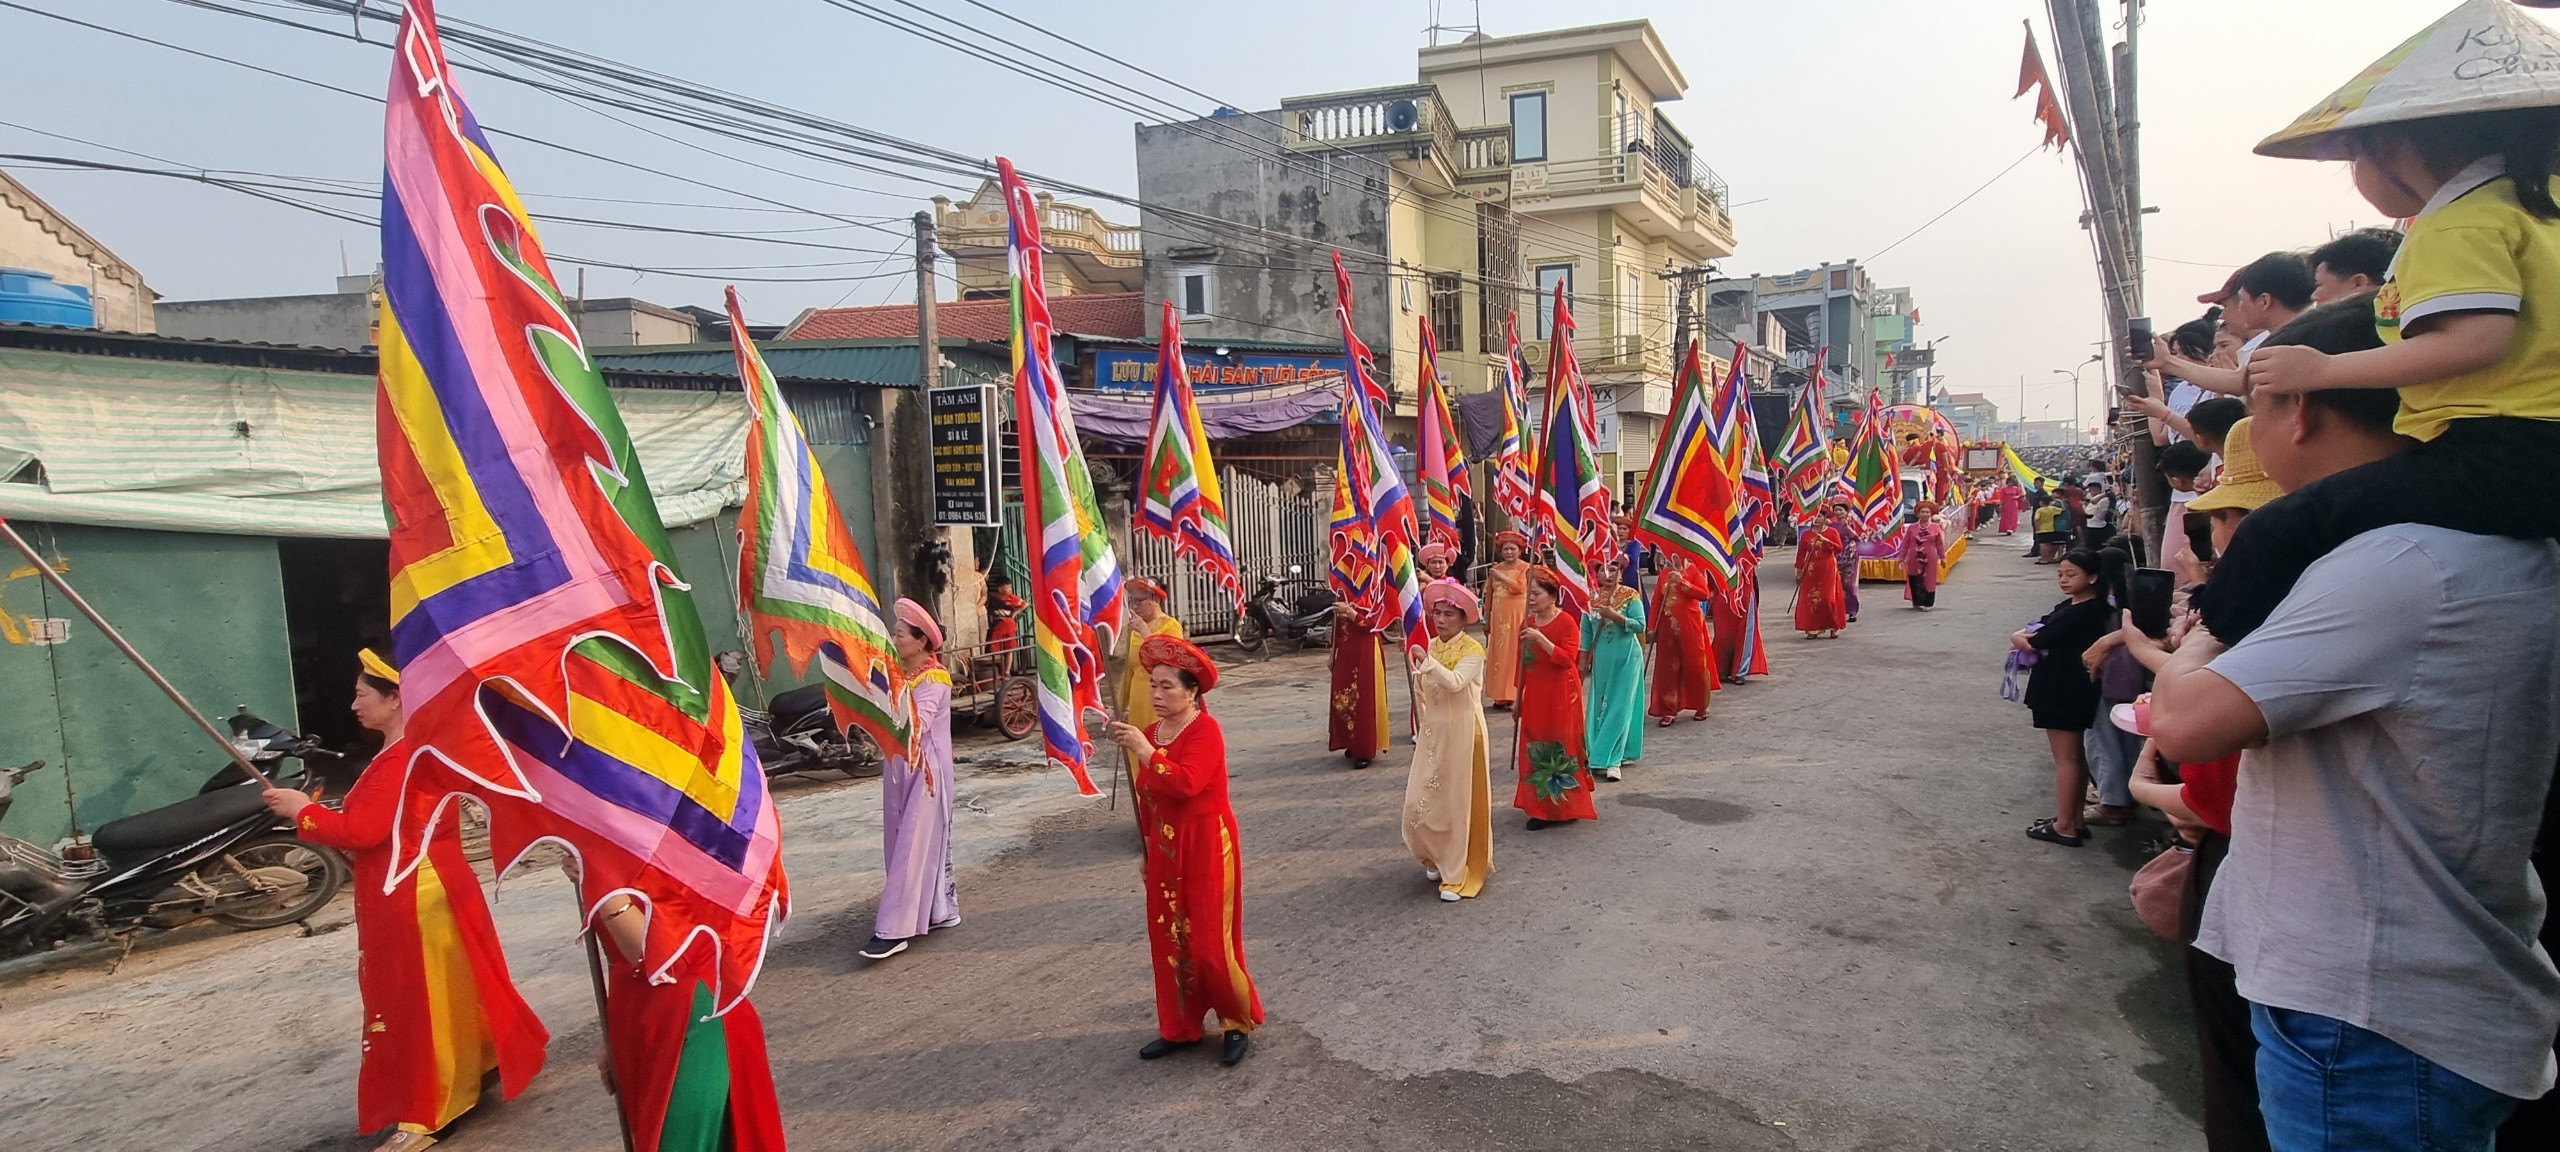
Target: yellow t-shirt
<point>2049,518</point>
<point>2477,253</point>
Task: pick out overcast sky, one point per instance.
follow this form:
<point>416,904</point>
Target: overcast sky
<point>1840,124</point>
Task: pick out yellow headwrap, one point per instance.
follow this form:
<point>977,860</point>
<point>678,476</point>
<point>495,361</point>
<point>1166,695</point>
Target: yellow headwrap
<point>374,665</point>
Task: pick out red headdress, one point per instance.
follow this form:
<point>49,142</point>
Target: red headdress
<point>1180,653</point>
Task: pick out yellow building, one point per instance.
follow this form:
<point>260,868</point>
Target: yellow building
<point>1087,254</point>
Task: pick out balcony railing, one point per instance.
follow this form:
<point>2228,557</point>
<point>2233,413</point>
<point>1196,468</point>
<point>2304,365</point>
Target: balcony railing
<point>1484,153</point>
<point>1075,226</point>
<point>1412,112</point>
<point>1702,199</point>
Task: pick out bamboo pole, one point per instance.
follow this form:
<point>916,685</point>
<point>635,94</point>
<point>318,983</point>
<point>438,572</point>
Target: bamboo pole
<point>116,638</point>
<point>604,1031</point>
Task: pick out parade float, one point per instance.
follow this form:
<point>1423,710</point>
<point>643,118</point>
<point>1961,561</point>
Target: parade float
<point>1929,459</point>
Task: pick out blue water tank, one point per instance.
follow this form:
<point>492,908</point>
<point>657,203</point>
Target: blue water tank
<point>28,297</point>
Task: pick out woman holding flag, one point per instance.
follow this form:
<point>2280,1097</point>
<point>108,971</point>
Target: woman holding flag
<point>1821,611</point>
<point>1613,660</point>
<point>1684,671</point>
<point>1146,602</point>
<point>440,1010</point>
<point>1194,870</point>
<point>1448,795</point>
<point>918,895</point>
<point>1555,772</point>
<point>1506,597</point>
<point>1359,716</point>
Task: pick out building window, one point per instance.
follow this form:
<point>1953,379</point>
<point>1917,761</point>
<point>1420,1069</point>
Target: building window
<point>1192,293</point>
<point>1550,275</point>
<point>1629,306</point>
<point>1447,322</point>
<point>1528,127</point>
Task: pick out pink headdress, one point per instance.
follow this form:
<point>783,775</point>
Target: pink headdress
<point>912,613</point>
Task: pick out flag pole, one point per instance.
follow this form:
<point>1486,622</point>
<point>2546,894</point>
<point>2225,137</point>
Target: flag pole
<point>604,1032</point>
<point>125,646</point>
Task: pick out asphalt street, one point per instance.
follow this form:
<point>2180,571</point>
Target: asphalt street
<point>1810,922</point>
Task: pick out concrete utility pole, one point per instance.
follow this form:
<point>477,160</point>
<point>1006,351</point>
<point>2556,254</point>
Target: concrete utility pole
<point>902,455</point>
<point>1684,312</point>
<point>928,332</point>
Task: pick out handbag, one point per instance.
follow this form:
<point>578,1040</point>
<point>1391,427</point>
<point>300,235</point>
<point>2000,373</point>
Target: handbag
<point>2013,675</point>
<point>2160,891</point>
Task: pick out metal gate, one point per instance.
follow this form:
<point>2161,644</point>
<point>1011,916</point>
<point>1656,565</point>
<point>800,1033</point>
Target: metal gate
<point>1272,528</point>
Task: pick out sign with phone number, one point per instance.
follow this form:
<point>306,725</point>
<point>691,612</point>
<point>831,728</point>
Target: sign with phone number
<point>964,456</point>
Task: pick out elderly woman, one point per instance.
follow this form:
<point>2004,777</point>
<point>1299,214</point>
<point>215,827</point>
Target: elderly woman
<point>1924,551</point>
<point>915,797</point>
<point>1844,524</point>
<point>1358,716</point>
<point>1555,774</point>
<point>1448,794</point>
<point>1506,598</point>
<point>1147,602</point>
<point>1613,662</point>
<point>440,1011</point>
<point>1435,559</point>
<point>1194,871</point>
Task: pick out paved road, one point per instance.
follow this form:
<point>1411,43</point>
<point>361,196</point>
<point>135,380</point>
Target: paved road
<point>1809,923</point>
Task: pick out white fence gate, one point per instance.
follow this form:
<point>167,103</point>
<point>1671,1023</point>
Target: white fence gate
<point>1273,525</point>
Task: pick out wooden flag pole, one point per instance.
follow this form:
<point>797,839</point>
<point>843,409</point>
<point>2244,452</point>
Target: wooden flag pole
<point>122,645</point>
<point>604,1030</point>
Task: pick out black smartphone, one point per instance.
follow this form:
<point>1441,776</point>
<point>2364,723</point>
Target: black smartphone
<point>2150,594</point>
<point>2137,339</point>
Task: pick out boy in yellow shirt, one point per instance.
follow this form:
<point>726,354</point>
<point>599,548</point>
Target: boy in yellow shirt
<point>2475,354</point>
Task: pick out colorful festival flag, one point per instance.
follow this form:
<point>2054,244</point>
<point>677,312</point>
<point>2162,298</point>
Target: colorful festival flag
<point>1181,500</point>
<point>1075,579</point>
<point>1378,497</point>
<point>1689,499</point>
<point>1804,461</point>
<point>1870,477</point>
<point>1730,437</point>
<point>1515,483</point>
<point>1444,458</point>
<point>1573,506</point>
<point>799,575</point>
<point>1352,549</point>
<point>553,666</point>
<point>1759,490</point>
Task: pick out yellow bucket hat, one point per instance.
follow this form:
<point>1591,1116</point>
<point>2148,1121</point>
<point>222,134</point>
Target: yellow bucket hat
<point>2484,56</point>
<point>2244,483</point>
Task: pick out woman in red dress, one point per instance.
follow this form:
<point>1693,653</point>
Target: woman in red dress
<point>1194,873</point>
<point>1820,608</point>
<point>1684,663</point>
<point>1357,726</point>
<point>440,1010</point>
<point>1555,774</point>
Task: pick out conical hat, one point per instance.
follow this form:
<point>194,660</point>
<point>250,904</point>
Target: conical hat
<point>2485,56</point>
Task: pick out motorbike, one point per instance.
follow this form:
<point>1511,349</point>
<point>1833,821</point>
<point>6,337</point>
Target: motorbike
<point>218,854</point>
<point>796,731</point>
<point>1308,619</point>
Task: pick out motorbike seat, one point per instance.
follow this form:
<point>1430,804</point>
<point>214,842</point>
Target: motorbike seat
<point>174,824</point>
<point>798,701</point>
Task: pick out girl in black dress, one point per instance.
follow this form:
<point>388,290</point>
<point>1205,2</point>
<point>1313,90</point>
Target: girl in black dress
<point>2060,693</point>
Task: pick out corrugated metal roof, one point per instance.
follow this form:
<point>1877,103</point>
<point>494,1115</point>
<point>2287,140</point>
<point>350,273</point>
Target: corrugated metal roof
<point>877,365</point>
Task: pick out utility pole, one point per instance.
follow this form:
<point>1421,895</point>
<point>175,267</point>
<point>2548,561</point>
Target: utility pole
<point>1684,310</point>
<point>928,331</point>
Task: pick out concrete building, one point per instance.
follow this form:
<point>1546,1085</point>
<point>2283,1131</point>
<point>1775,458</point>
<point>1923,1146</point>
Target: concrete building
<point>1975,416</point>
<point>36,238</point>
<point>1829,307</point>
<point>1513,165</point>
<point>1905,368</point>
<point>345,319</point>
<point>341,319</point>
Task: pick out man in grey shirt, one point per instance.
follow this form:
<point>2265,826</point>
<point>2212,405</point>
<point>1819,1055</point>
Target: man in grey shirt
<point>2401,712</point>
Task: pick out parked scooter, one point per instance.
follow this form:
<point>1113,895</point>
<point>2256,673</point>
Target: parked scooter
<point>796,731</point>
<point>218,854</point>
<point>1308,619</point>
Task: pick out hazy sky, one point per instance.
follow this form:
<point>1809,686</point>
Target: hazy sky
<point>1840,124</point>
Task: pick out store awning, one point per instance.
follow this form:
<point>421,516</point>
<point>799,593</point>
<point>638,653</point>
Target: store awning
<point>205,447</point>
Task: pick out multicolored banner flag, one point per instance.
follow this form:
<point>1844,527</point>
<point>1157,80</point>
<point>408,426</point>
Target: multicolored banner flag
<point>1730,434</point>
<point>1444,458</point>
<point>1075,579</point>
<point>1515,483</point>
<point>1759,489</point>
<point>553,666</point>
<point>1870,477</point>
<point>799,575</point>
<point>1573,505</point>
<point>1352,547</point>
<point>1804,461</point>
<point>1180,499</point>
<point>1378,496</point>
<point>1689,498</point>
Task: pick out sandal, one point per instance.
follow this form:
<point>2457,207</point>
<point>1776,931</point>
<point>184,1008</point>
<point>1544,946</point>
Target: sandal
<point>2045,831</point>
<point>2109,816</point>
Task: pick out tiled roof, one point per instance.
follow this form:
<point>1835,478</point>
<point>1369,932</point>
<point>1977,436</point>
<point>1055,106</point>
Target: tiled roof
<point>1121,314</point>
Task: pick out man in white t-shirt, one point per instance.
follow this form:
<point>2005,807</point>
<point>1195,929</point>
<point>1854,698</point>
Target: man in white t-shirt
<point>2258,299</point>
<point>2400,712</point>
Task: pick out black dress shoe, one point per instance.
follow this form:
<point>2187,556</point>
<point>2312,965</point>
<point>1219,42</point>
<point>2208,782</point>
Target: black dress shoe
<point>1160,1048</point>
<point>1536,823</point>
<point>1237,1042</point>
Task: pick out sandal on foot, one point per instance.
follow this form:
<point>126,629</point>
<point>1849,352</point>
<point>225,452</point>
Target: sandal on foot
<point>2045,831</point>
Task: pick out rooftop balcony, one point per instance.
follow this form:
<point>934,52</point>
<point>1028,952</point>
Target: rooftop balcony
<point>1101,256</point>
<point>1691,212</point>
<point>1404,117</point>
